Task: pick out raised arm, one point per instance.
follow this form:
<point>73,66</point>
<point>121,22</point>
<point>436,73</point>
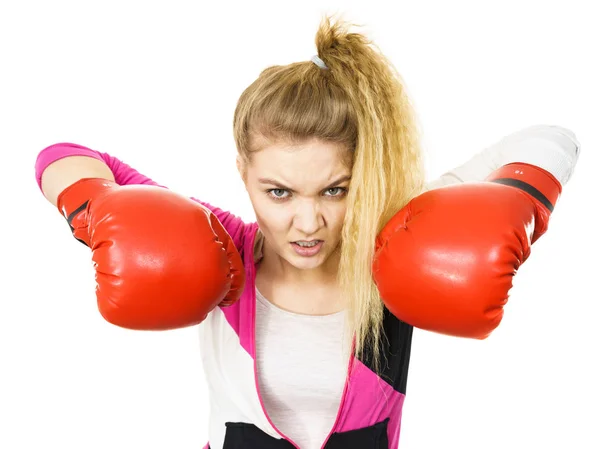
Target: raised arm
<point>60,165</point>
<point>534,145</point>
<point>446,261</point>
<point>162,260</point>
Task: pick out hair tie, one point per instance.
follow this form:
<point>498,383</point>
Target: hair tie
<point>319,62</point>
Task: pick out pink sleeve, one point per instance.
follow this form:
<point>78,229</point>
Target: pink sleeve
<point>126,175</point>
<point>123,173</point>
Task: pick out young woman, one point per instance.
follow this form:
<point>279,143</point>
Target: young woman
<point>306,316</point>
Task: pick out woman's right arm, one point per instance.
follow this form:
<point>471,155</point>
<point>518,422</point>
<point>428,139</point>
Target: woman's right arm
<point>66,171</point>
<point>61,165</point>
<point>162,261</point>
<point>197,255</point>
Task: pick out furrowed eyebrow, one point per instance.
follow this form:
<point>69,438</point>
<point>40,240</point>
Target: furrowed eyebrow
<point>281,186</point>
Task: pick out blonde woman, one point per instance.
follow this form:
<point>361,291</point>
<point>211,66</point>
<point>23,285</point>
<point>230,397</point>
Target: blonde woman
<point>306,316</point>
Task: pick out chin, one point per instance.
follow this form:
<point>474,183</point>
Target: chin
<point>306,264</point>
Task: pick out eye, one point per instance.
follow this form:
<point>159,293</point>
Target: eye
<point>342,191</point>
<point>276,194</point>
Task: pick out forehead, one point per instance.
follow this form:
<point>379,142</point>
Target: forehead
<point>313,161</point>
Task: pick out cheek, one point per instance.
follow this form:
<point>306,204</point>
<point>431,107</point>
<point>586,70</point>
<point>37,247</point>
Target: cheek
<point>272,218</point>
<point>338,217</point>
<point>272,222</point>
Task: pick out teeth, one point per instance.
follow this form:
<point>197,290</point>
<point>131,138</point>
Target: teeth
<point>306,244</point>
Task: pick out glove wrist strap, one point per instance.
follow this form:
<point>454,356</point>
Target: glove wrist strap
<point>73,204</point>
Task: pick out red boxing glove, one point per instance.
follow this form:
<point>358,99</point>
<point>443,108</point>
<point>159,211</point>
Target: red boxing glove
<point>446,261</point>
<point>163,261</point>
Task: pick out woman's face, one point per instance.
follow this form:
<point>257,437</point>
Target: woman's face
<point>299,194</point>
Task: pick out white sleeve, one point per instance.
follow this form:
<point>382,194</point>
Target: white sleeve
<point>553,148</point>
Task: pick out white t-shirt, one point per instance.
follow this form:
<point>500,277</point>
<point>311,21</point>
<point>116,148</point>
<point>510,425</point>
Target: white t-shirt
<point>301,370</point>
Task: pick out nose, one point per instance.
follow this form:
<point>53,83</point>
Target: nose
<point>308,218</point>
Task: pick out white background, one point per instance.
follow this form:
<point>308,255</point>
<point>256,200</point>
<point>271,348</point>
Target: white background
<point>156,83</point>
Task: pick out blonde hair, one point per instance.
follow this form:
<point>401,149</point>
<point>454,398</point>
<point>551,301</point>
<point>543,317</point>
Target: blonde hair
<point>360,102</point>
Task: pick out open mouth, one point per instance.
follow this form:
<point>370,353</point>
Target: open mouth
<point>306,249</point>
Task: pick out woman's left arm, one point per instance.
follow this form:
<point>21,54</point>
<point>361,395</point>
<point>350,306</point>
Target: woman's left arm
<point>446,261</point>
<point>552,148</point>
